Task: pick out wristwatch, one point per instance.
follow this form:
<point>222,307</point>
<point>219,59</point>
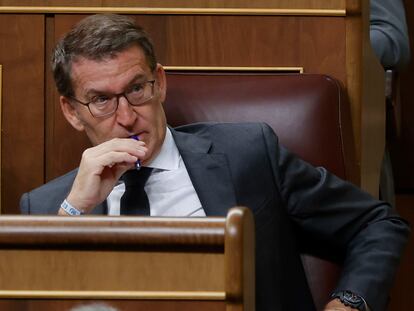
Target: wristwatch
<point>351,299</point>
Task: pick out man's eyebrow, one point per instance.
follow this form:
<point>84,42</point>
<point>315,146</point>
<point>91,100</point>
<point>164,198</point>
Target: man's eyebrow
<point>140,77</point>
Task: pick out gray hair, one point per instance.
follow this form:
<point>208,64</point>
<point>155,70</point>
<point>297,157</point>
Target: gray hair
<point>97,37</point>
<point>94,307</point>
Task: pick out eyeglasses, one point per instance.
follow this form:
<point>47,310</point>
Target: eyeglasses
<point>105,105</point>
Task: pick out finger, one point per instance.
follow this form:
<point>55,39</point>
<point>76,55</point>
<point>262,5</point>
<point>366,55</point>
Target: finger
<point>130,146</point>
<point>127,145</point>
<point>113,158</point>
<point>121,168</point>
<point>116,171</point>
<point>95,165</point>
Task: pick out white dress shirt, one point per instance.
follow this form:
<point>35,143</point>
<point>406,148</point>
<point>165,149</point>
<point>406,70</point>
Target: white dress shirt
<point>169,188</point>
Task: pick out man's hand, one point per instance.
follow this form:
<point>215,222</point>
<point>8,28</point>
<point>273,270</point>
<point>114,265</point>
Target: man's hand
<point>100,168</point>
<point>337,305</point>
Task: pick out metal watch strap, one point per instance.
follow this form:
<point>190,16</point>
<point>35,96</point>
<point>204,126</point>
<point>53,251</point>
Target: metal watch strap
<point>351,299</point>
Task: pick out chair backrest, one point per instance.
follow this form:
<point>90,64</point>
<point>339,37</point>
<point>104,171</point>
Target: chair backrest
<point>308,113</point>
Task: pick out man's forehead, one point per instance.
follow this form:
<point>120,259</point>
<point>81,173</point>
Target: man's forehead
<point>123,67</point>
<point>131,54</point>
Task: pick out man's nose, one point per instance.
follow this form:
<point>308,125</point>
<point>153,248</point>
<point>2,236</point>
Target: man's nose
<point>126,115</point>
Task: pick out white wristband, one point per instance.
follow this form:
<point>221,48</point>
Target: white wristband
<point>69,209</point>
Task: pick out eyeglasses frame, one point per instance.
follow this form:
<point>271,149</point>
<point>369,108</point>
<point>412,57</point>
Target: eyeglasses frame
<point>117,100</point>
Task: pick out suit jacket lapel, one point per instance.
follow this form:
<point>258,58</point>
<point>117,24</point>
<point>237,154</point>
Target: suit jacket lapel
<point>209,173</point>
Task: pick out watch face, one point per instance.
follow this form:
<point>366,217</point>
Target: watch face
<point>352,298</point>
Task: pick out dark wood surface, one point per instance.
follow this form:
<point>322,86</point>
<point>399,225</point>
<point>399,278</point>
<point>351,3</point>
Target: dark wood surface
<point>22,133</point>
<point>402,149</point>
<point>310,4</point>
<point>89,231</point>
<point>121,305</point>
<point>48,261</point>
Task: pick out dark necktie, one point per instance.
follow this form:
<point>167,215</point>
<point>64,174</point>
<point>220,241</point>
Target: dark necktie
<point>135,200</point>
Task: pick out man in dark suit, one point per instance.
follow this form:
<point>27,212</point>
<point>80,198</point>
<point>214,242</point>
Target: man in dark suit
<point>113,89</point>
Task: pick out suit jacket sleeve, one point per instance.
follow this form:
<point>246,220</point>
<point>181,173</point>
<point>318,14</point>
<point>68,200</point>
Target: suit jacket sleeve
<point>338,218</point>
<point>24,203</point>
<point>46,199</point>
<point>388,32</point>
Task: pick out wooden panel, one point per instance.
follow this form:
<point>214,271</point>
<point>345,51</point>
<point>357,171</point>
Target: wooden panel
<point>161,261</point>
<point>114,271</point>
<point>367,79</point>
<point>131,305</point>
<point>310,4</point>
<point>243,41</point>
<point>21,54</point>
<point>226,41</point>
<point>1,97</point>
<point>239,262</point>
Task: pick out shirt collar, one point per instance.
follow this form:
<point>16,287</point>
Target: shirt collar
<point>169,157</point>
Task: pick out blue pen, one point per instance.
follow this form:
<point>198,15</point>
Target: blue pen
<point>138,163</point>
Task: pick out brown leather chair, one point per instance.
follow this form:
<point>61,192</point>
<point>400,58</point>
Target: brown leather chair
<point>309,113</point>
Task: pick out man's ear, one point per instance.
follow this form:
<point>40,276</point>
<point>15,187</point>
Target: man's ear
<point>161,82</point>
<point>70,113</point>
